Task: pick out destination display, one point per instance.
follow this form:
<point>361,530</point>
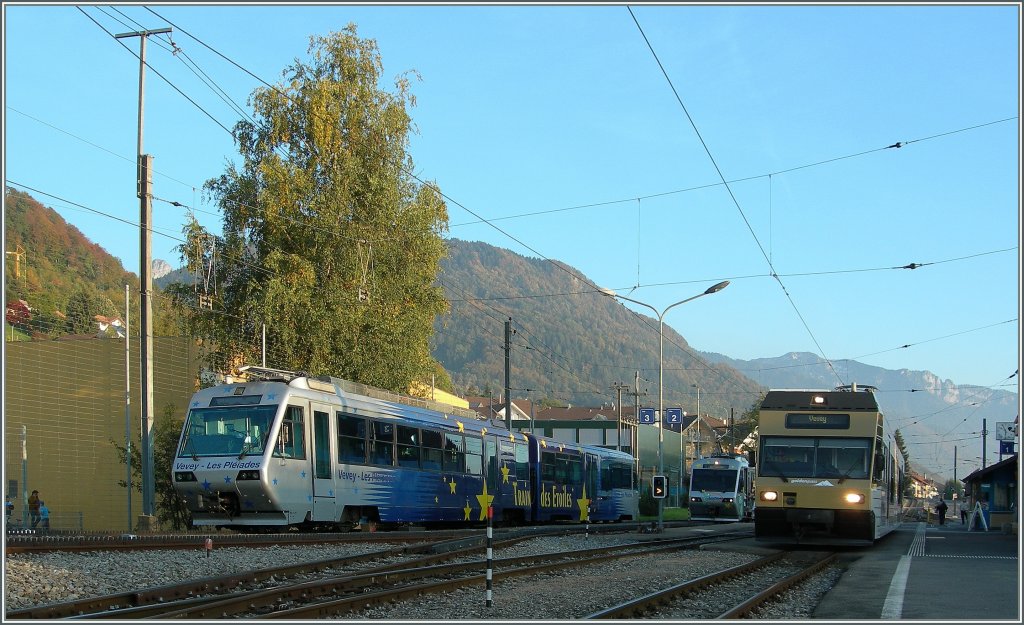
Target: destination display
<point>827,421</point>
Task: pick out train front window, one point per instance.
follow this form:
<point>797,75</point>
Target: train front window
<point>843,458</point>
<point>789,457</point>
<point>714,480</point>
<point>234,430</point>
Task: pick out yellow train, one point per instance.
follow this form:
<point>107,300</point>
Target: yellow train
<point>829,470</point>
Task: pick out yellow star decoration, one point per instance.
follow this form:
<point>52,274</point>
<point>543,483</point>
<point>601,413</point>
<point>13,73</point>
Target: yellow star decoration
<point>525,438</point>
<point>511,437</point>
<point>544,444</point>
<point>561,447</point>
<point>485,502</point>
<point>504,474</point>
<point>435,498</point>
<point>483,431</point>
<point>584,505</point>
<point>462,428</point>
<point>451,485</point>
<point>466,510</point>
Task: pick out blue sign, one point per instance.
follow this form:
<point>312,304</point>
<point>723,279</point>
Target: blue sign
<point>1005,447</point>
<point>673,415</point>
<point>647,415</point>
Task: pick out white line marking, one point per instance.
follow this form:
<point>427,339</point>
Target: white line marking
<point>893,608</point>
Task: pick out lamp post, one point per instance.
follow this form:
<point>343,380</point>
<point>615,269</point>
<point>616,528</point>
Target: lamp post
<point>661,374</point>
<point>696,449</point>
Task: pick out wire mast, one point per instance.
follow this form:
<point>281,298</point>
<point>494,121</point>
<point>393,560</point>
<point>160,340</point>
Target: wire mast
<point>144,188</point>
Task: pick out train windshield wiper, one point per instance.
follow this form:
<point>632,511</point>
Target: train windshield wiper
<point>780,472</point>
<point>846,474</point>
<point>191,449</point>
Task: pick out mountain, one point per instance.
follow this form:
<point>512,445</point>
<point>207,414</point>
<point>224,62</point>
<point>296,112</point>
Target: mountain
<point>570,344</point>
<point>65,278</point>
<point>160,268</point>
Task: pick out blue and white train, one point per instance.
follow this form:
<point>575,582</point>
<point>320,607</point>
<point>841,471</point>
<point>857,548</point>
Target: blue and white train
<point>288,449</point>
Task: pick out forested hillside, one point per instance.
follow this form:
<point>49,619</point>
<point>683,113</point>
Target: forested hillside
<point>571,344</point>
<point>65,278</point>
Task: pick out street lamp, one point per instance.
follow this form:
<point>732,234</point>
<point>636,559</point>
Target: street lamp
<point>661,374</point>
<point>696,449</point>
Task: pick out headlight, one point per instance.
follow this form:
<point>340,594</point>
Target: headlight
<point>769,495</point>
<point>854,498</point>
<point>697,499</point>
<point>184,476</point>
<point>727,500</point>
<point>247,475</point>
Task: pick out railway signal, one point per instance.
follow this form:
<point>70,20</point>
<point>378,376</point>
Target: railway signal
<point>659,485</point>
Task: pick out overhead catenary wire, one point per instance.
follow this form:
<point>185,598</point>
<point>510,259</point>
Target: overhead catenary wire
<point>896,146</point>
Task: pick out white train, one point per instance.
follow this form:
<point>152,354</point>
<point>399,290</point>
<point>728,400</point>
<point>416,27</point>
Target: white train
<point>722,488</point>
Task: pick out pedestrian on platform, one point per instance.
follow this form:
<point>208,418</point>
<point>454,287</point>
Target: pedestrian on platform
<point>940,509</point>
<point>44,516</point>
<point>33,507</point>
<point>963,514</point>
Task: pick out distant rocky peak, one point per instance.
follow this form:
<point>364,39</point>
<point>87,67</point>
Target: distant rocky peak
<point>160,268</point>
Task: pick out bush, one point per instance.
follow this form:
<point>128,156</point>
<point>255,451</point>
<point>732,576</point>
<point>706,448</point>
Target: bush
<point>648,504</point>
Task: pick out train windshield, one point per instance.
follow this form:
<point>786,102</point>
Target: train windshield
<point>714,480</point>
<point>234,430</point>
<point>843,458</point>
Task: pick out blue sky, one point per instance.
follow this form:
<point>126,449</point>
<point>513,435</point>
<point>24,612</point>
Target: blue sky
<point>532,109</point>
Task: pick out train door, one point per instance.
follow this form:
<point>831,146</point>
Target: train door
<point>743,499</point>
<point>592,475</point>
<point>324,503</point>
<point>879,482</point>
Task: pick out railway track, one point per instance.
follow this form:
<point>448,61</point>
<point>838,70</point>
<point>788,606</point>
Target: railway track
<point>666,604</point>
<point>299,591</point>
<point>70,541</point>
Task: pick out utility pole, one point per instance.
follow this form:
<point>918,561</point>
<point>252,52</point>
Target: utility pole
<point>24,476</point>
<point>145,192</point>
<point>984,442</point>
<point>618,387</point>
<point>127,409</point>
<point>635,436</point>
<point>508,367</point>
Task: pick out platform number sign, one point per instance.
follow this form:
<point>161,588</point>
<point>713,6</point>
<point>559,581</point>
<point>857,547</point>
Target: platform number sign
<point>659,486</point>
<point>647,415</point>
<point>673,416</point>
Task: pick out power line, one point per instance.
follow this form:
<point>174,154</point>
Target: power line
<point>734,180</point>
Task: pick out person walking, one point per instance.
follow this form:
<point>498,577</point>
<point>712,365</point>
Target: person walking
<point>33,507</point>
<point>44,516</point>
<point>940,509</point>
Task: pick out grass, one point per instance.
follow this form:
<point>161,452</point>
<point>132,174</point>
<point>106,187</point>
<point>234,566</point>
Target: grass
<point>669,514</point>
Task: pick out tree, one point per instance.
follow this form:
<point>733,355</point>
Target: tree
<point>171,511</point>
<point>18,313</point>
<point>330,242</point>
<point>80,313</point>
